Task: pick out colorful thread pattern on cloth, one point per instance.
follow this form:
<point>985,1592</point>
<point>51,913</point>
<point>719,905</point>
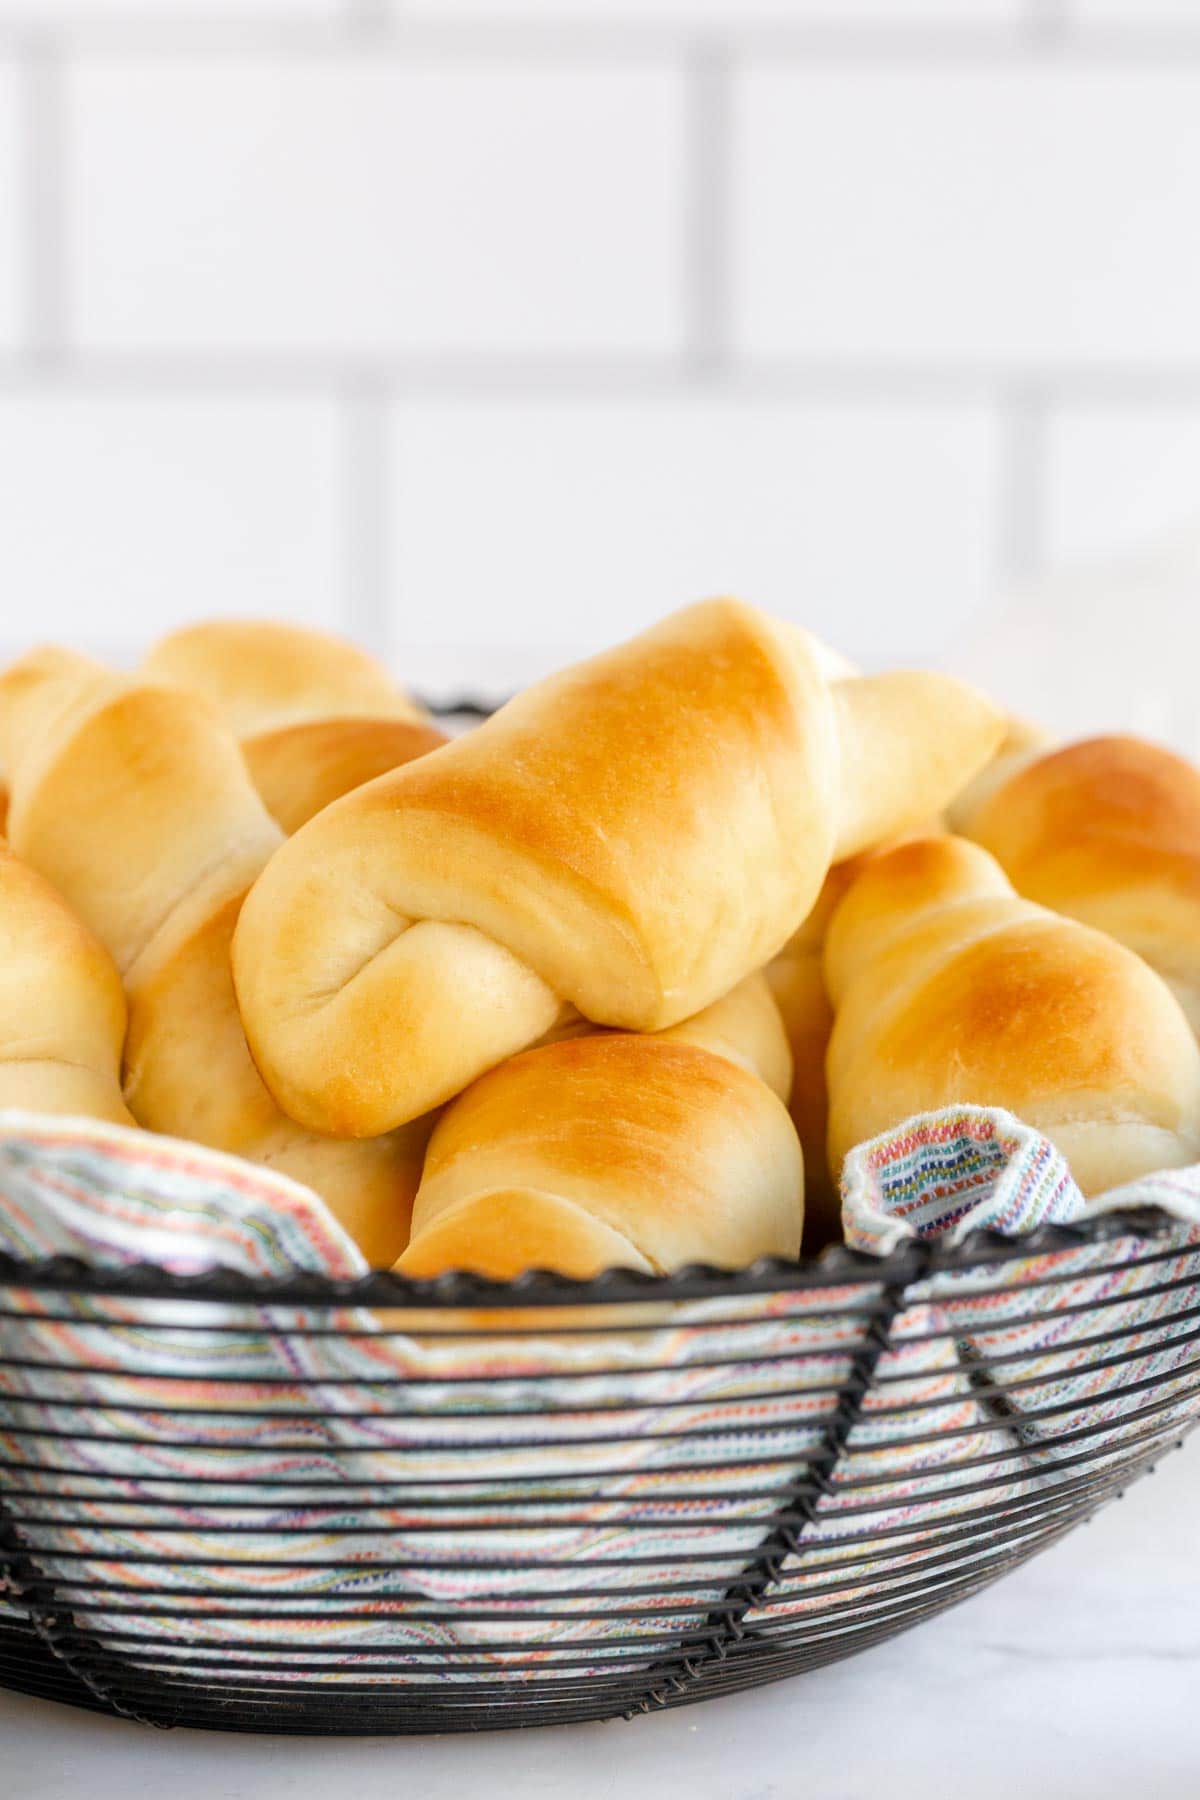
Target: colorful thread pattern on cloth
<point>974,1378</point>
<point>948,1173</point>
<point>116,1197</point>
<point>507,1420</point>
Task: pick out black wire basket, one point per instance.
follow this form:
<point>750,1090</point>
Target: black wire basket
<point>552,1501</point>
<point>386,1506</point>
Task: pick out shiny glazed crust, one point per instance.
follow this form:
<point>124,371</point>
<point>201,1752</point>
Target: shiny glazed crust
<point>605,1150</point>
<point>628,839</point>
<point>1108,830</point>
<point>947,987</point>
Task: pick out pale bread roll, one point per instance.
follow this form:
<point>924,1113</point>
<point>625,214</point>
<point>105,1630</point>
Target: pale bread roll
<point>133,798</point>
<point>62,1010</point>
<point>265,675</point>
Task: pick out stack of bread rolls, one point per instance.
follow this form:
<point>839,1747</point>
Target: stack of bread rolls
<point>133,798</point>
<point>618,978</point>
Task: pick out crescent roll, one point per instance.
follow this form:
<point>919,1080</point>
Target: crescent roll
<point>947,987</point>
<point>612,1150</point>
<point>1108,830</point>
<point>315,715</point>
<point>629,839</point>
<point>264,675</point>
<point>133,798</point>
<point>62,1010</point>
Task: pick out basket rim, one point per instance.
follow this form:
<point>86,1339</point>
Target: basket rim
<point>837,1265</point>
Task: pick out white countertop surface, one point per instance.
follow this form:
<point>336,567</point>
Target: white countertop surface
<point>1077,1676</point>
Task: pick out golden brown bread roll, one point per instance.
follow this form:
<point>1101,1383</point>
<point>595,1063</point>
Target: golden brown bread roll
<point>316,716</point>
<point>612,1150</point>
<point>133,798</point>
<point>629,838</point>
<point>1021,743</point>
<point>1108,830</point>
<point>62,1011</point>
<point>949,988</point>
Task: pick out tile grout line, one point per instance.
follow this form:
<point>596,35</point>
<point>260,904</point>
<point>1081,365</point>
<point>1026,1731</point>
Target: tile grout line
<point>626,37</point>
<point>1023,484</point>
<point>613,40</point>
<point>582,376</point>
<point>707,208</point>
<point>365,408</point>
<point>43,202</point>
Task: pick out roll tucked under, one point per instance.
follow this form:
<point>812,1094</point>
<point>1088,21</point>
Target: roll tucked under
<point>948,987</point>
<point>62,1009</point>
<point>612,1150</point>
<point>133,799</point>
<point>629,838</point>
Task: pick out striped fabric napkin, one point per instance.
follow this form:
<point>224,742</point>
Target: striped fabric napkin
<point>948,1174</point>
<point>165,1421</point>
<point>115,1196</point>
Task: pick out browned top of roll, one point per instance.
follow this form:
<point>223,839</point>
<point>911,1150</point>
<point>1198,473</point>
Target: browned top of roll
<point>609,1150</point>
<point>949,988</point>
<point>1108,830</point>
<point>630,838</point>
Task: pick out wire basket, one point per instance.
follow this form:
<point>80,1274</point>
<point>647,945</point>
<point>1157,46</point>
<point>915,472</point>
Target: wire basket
<point>385,1506</point>
<point>451,1505</point>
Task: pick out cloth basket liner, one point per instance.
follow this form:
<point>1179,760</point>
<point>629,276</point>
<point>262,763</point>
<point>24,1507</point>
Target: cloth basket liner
<point>1015,1378</point>
<point>498,1417</point>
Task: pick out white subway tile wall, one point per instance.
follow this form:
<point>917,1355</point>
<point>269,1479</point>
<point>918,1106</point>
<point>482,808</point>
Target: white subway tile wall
<point>1118,476</point>
<point>1135,12</point>
<point>141,12</point>
<point>364,205</point>
<point>487,330</point>
<point>125,515</point>
<point>12,124</point>
<point>968,215</point>
<point>564,525</point>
